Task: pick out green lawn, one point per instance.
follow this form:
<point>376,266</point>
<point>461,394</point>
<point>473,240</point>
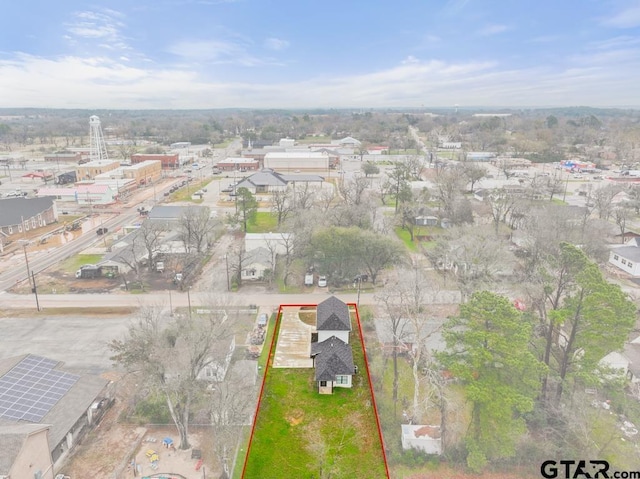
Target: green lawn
<point>405,237</point>
<point>72,264</point>
<point>265,222</point>
<point>303,434</point>
<point>314,139</point>
<point>184,193</point>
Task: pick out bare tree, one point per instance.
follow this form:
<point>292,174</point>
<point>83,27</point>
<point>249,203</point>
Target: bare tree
<point>473,173</point>
<point>622,214</point>
<point>170,359</point>
<point>449,184</point>
<point>281,204</point>
<point>353,190</point>
<point>463,254</point>
<point>150,234</point>
<point>415,165</point>
<point>238,257</point>
<point>196,229</point>
<point>603,200</point>
<point>501,203</point>
<point>132,255</point>
<point>302,196</point>
<point>325,198</point>
<point>231,407</point>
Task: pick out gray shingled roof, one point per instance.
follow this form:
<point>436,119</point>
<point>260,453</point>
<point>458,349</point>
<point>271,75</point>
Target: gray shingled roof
<point>13,209</point>
<point>169,212</point>
<point>628,252</point>
<point>333,315</point>
<point>66,412</point>
<point>12,437</point>
<point>265,177</point>
<point>332,357</point>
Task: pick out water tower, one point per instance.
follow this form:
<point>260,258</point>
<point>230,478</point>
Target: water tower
<point>97,146</point>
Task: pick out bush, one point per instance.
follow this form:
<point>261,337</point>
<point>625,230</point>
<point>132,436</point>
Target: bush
<point>153,410</point>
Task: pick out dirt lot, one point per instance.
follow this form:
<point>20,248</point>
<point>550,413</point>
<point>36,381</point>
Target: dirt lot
<point>107,452</point>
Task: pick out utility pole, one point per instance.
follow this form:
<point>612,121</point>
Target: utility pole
<point>26,260</point>
<point>35,290</point>
<point>226,260</point>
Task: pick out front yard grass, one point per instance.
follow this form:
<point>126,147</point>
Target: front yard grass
<point>303,434</point>
<point>185,192</point>
<point>405,237</point>
<point>72,264</point>
<point>265,222</point>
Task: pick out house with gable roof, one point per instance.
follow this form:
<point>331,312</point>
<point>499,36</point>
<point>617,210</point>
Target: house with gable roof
<point>333,319</point>
<point>627,257</point>
<point>330,348</point>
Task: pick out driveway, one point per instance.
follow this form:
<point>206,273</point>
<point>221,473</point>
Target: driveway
<point>294,342</point>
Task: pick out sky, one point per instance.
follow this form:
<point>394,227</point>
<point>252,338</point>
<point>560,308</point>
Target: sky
<point>174,54</point>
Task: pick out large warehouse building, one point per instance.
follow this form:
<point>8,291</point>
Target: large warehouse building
<point>290,161</point>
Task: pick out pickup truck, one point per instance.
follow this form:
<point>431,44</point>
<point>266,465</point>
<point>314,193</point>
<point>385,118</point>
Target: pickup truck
<point>308,279</point>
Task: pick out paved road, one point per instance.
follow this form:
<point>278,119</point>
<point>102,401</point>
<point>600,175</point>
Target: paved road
<point>10,301</point>
<point>41,262</point>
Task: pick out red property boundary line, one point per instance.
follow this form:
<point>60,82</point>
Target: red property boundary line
<point>276,330</point>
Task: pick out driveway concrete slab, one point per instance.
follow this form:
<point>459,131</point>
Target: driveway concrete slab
<point>294,342</point>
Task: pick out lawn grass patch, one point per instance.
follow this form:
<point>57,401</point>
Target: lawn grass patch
<point>72,264</point>
<point>405,237</point>
<point>300,433</point>
<point>184,193</point>
<point>265,222</point>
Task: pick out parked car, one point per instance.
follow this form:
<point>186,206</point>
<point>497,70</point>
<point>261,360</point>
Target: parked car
<point>102,231</point>
<point>322,281</point>
<point>263,319</point>
<point>228,189</point>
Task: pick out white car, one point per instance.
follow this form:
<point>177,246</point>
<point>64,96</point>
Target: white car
<point>322,281</point>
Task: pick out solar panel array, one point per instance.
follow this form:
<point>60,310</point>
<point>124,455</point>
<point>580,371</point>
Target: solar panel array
<point>31,388</point>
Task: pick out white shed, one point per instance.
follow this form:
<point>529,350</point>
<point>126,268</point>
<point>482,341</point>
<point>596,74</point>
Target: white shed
<point>422,437</point>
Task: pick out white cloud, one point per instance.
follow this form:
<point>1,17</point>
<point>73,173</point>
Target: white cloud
<point>276,44</point>
<point>409,60</point>
<point>493,30</point>
<point>100,82</point>
<point>628,18</point>
<point>104,25</point>
<point>217,52</point>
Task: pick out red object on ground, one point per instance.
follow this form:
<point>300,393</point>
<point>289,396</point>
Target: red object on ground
<point>198,465</point>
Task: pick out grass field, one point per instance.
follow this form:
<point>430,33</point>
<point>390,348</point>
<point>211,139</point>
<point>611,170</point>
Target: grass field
<point>303,434</point>
<point>72,264</point>
<point>184,193</point>
<point>265,222</point>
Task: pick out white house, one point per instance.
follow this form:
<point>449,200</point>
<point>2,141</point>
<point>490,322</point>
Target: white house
<point>333,319</point>
<point>422,437</point>
<point>257,263</point>
<point>272,241</point>
<point>627,257</point>
<point>330,348</point>
<point>333,363</point>
<point>216,368</point>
